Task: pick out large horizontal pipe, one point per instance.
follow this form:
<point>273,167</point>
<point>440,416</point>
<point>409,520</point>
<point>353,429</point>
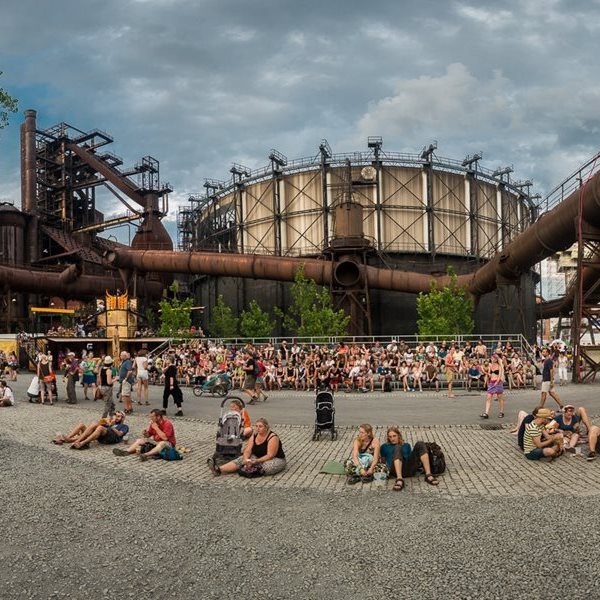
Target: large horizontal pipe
<point>553,232</point>
<point>67,285</point>
<point>266,267</point>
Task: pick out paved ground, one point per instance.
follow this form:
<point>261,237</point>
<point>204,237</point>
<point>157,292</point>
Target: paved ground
<point>73,520</point>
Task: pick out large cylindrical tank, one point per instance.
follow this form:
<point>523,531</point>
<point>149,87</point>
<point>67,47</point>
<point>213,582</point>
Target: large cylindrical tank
<point>416,214</point>
<point>12,234</point>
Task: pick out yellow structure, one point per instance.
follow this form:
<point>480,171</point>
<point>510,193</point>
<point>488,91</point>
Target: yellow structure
<point>117,316</point>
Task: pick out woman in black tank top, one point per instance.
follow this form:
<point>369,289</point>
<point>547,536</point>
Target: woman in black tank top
<point>263,449</point>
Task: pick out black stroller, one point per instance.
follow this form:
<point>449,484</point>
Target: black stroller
<point>229,432</point>
<point>325,415</point>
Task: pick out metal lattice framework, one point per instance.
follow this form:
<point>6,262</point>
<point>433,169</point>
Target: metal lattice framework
<point>412,203</point>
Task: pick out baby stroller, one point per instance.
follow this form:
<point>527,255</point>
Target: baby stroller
<point>325,415</point>
<point>229,433</point>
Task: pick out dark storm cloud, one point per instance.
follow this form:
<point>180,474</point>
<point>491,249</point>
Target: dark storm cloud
<point>202,84</point>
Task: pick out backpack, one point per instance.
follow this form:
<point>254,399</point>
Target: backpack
<point>387,385</point>
<point>229,434</point>
<point>437,459</point>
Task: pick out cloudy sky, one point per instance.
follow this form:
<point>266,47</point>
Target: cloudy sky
<point>200,84</point>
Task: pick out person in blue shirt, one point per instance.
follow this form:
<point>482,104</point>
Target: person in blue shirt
<point>108,431</point>
<point>403,461</point>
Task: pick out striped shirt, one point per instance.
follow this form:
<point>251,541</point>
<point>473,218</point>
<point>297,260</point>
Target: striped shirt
<point>533,430</point>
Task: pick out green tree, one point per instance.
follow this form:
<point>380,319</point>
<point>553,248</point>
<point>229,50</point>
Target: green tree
<point>445,311</point>
<point>222,322</point>
<point>175,315</point>
<point>311,313</point>
<point>255,322</point>
<point>8,104</point>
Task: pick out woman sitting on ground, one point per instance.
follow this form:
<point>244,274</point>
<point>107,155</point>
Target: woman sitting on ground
<point>263,448</point>
<point>402,461</point>
<point>365,456</point>
<point>7,397</point>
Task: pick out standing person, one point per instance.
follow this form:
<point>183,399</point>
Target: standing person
<point>250,372</point>
<point>141,367</point>
<point>172,387</point>
<point>495,387</point>
<point>126,380</point>
<point>45,376</point>
<point>548,379</point>
<point>88,379</point>
<point>106,387</point>
<point>13,365</point>
<point>563,363</point>
<point>450,370</point>
<point>71,377</point>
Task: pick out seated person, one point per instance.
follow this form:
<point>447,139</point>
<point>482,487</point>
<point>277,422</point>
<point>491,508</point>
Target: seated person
<point>365,456</point>
<point>159,436</point>
<point>107,431</point>
<point>474,375</point>
<point>537,442</point>
<point>594,442</point>
<point>523,420</point>
<point>263,448</point>
<point>568,422</point>
<point>7,397</point>
<point>431,372</point>
<point>236,406</point>
<point>402,461</point>
<point>81,431</point>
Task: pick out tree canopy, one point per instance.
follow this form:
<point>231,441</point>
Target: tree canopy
<point>255,322</point>
<point>175,314</point>
<point>8,105</point>
<point>222,322</point>
<point>445,311</point>
<point>311,313</point>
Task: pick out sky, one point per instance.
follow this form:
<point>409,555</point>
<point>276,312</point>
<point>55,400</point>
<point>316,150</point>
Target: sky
<point>200,84</point>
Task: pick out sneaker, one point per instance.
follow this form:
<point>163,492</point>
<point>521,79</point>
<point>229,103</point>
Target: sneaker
<point>120,452</point>
<point>214,468</point>
<point>570,450</point>
<point>591,456</point>
<point>179,413</point>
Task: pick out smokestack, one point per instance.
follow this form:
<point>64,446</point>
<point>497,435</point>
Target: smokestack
<point>28,163</point>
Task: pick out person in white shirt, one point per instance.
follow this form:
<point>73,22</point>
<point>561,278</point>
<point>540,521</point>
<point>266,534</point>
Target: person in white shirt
<point>7,397</point>
<point>141,368</point>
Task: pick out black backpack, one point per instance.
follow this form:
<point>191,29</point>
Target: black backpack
<point>437,459</point>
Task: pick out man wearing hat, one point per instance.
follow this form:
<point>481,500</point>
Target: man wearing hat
<point>537,443</point>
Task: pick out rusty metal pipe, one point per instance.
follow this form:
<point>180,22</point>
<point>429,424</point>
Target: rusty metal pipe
<point>66,285</point>
<point>28,163</point>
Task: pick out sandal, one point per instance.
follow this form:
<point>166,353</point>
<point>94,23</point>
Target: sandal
<point>366,478</point>
<point>352,479</point>
<point>430,479</point>
<point>399,485</point>
<point>485,416</point>
<point>501,415</point>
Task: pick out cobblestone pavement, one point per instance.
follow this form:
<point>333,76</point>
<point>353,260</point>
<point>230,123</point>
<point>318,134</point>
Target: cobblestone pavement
<point>484,463</point>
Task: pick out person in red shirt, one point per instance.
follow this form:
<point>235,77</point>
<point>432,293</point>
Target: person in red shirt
<point>159,435</point>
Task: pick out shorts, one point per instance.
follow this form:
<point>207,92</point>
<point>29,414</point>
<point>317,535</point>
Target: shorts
<point>88,378</point>
<point>449,376</point>
<point>126,388</point>
<point>546,386</point>
<point>249,382</point>
<point>110,437</point>
<point>535,454</point>
<point>143,375</point>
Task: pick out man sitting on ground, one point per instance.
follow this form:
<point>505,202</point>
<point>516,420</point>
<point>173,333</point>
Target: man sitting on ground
<point>7,397</point>
<point>537,443</point>
<point>106,431</point>
<point>159,436</point>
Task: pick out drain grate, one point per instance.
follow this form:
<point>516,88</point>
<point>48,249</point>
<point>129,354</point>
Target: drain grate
<point>490,426</point>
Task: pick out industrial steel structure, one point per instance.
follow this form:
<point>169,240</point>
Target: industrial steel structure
<point>418,212</point>
<point>52,247</point>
